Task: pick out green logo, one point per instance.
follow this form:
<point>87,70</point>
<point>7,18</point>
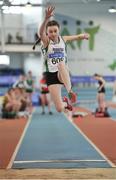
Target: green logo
<point>113,65</point>
<point>91,30</point>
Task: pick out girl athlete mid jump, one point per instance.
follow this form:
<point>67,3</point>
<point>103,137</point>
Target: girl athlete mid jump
<point>55,60</point>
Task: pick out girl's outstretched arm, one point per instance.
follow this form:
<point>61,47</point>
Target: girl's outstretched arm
<point>76,37</point>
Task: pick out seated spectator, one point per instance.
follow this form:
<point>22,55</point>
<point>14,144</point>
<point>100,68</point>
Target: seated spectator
<point>10,105</point>
<point>19,38</point>
<point>21,96</point>
<point>15,103</point>
<point>9,38</point>
<point>20,82</point>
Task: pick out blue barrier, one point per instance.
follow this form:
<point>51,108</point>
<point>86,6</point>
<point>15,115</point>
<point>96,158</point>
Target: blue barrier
<point>90,79</point>
<point>7,81</point>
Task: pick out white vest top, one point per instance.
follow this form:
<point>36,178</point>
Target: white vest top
<point>53,54</point>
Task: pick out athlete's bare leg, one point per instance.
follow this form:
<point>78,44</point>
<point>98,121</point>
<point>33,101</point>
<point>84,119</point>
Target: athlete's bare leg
<point>102,102</point>
<point>55,92</point>
<point>64,77</point>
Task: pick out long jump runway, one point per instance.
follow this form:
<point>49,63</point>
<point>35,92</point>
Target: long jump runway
<point>52,141</point>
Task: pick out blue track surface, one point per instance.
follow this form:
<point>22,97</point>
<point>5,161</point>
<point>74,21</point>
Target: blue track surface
<point>51,141</point>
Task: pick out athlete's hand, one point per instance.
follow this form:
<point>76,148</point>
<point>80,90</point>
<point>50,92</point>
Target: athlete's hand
<point>49,12</point>
<point>86,36</point>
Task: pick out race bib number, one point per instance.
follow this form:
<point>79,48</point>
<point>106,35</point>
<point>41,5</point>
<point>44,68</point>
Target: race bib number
<point>55,58</point>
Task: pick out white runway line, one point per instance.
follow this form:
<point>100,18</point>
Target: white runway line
<point>59,161</point>
<point>95,147</point>
<point>18,145</point>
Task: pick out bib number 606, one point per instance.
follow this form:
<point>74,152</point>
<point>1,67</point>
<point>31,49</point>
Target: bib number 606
<point>56,60</point>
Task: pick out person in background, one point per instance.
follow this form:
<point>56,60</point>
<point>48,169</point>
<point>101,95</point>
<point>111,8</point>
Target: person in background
<point>114,92</point>
<point>45,95</point>
<point>101,93</point>
<point>9,38</point>
<point>11,105</point>
<point>19,38</point>
<point>20,83</point>
<point>29,86</point>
